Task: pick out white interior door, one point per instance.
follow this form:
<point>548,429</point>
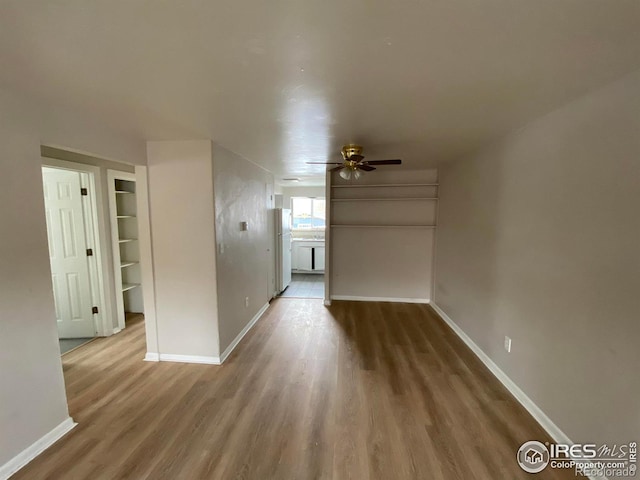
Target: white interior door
<point>68,253</point>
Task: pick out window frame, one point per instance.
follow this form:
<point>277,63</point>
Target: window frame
<point>312,228</point>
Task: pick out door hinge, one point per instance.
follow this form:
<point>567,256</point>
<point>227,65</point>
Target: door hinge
<point>89,252</point>
<point>83,191</point>
<point>94,310</point>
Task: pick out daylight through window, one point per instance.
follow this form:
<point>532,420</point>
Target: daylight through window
<point>308,213</point>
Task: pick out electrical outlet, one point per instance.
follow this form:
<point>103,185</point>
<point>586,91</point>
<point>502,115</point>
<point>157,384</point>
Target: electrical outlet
<point>246,302</point>
<point>507,344</point>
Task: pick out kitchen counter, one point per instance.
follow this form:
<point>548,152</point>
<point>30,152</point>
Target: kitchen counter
<point>315,240</point>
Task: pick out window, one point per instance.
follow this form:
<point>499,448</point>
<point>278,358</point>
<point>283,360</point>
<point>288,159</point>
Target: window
<point>308,213</point>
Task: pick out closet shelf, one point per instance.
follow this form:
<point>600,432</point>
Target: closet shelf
<point>126,263</point>
<point>392,199</point>
<point>383,226</point>
<point>388,185</point>
<point>125,240</point>
<point>123,191</point>
<point>125,216</point>
<point>129,286</point>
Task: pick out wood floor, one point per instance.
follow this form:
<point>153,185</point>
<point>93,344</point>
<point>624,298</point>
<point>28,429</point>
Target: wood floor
<point>354,391</point>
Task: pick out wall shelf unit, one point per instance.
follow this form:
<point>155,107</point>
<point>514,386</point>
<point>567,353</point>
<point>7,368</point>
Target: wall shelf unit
<point>376,185</point>
<point>383,235</point>
<point>383,226</point>
<point>126,255</point>
<point>389,199</point>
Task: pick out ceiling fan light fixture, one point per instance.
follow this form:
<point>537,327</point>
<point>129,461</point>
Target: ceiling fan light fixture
<point>349,150</point>
<point>353,165</point>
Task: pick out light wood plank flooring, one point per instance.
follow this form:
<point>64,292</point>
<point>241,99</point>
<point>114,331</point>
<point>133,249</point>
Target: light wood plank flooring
<point>354,391</point>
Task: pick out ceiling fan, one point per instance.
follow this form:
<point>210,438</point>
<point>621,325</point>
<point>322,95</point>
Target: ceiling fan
<point>354,164</point>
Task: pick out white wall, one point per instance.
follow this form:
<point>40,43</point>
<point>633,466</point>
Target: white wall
<point>32,397</point>
<point>181,205</point>
<point>539,239</point>
<point>383,263</point>
<point>243,256</point>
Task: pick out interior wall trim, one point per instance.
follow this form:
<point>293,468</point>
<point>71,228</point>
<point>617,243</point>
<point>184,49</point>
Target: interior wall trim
<point>152,357</point>
<point>240,336</point>
<point>536,412</point>
<point>170,357</point>
<point>39,446</point>
<point>204,359</point>
<point>379,299</point>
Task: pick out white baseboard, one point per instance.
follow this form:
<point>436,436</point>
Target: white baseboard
<point>151,357</point>
<point>379,299</point>
<point>31,452</point>
<point>236,341</point>
<point>170,357</point>
<point>327,302</point>
<point>536,412</point>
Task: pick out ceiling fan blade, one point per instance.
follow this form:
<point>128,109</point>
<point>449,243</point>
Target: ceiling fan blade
<point>323,163</point>
<point>383,162</point>
<point>365,167</point>
<point>335,169</point>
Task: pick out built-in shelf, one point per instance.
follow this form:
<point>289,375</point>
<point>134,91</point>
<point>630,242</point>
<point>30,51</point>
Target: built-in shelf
<point>124,234</point>
<point>129,286</point>
<point>394,199</point>
<point>383,226</point>
<point>387,185</point>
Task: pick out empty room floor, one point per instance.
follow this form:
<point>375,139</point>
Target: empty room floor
<point>354,390</point>
<point>305,285</point>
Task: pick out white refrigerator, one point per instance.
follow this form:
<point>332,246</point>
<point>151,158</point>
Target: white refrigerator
<point>283,248</point>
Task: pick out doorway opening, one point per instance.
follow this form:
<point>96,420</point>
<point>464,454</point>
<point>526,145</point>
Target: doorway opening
<point>302,232</point>
<point>74,255</point>
<point>86,234</point>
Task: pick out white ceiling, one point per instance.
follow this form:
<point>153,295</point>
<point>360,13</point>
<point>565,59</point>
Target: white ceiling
<point>282,82</point>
